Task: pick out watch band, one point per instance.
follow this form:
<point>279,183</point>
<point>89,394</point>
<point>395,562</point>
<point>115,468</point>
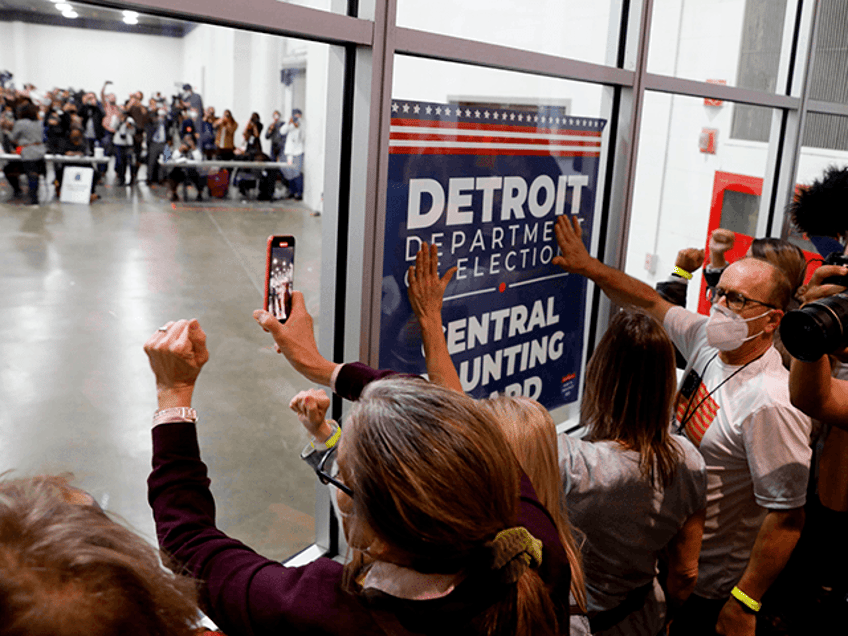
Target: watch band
<point>746,600</point>
<point>175,414</point>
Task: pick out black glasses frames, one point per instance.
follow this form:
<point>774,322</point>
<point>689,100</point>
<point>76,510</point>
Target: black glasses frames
<point>735,300</point>
<point>326,478</point>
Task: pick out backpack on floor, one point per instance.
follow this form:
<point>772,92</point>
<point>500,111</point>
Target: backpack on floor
<point>219,183</point>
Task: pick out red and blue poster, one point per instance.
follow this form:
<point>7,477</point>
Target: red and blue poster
<point>486,184</point>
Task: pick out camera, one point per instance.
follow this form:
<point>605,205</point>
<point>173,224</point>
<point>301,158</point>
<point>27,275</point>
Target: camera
<point>818,328</point>
<point>836,258</point>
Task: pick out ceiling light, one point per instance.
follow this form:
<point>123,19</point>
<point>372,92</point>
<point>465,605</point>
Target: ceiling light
<point>130,14</point>
<point>70,14</point>
<point>64,6</point>
<point>128,20</point>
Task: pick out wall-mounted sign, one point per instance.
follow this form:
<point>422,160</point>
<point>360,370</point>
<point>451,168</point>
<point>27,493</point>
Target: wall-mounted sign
<point>486,185</point>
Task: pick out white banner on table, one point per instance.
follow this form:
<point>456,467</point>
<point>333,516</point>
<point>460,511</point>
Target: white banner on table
<point>76,185</point>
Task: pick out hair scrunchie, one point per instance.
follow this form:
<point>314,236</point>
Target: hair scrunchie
<point>513,551</point>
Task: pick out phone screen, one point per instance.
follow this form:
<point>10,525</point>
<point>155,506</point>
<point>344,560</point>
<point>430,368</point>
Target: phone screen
<point>279,276</point>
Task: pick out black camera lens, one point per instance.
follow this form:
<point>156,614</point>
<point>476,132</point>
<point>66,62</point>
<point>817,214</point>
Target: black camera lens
<point>817,328</point>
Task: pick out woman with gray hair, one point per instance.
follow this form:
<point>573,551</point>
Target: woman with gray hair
<point>447,536</point>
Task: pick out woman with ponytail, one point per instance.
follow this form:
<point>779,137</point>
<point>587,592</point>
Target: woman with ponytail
<point>446,533</point>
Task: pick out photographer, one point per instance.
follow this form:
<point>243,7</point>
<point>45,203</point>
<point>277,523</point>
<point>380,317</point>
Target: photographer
<point>820,389</point>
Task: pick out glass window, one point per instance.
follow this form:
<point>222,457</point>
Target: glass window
<point>827,80</point>
<point>586,31</point>
<point>86,285</point>
<point>820,152</point>
<point>737,43</point>
<point>689,181</point>
<point>505,152</point>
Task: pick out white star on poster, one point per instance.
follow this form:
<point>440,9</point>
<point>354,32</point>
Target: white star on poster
<point>477,114</point>
<point>468,112</point>
<point>486,114</point>
<point>417,109</point>
<point>438,110</point>
<point>395,107</point>
<point>428,110</point>
<point>406,108</point>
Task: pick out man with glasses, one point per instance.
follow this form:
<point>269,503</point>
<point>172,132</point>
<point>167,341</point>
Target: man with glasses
<point>734,405</point>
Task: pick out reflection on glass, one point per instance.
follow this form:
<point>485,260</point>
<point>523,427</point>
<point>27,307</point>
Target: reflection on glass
<point>586,31</point>
<point>106,275</point>
<point>501,154</point>
<point>684,190</point>
<point>735,43</point>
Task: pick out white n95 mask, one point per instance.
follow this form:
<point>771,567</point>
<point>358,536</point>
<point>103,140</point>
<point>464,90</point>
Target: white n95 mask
<point>727,330</point>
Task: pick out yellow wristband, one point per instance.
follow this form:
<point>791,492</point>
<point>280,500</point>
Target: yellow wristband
<point>746,600</point>
<point>334,438</point>
<point>331,441</point>
<point>682,273</point>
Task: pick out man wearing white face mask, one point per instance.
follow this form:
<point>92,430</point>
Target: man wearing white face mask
<point>734,405</point>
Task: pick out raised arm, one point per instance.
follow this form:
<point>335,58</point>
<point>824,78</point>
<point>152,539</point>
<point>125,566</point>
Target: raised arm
<point>618,286</point>
<point>426,291</point>
<point>296,340</point>
<point>812,389</point>
<point>815,392</point>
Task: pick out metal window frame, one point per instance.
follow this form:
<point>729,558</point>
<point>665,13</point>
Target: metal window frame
<point>371,38</point>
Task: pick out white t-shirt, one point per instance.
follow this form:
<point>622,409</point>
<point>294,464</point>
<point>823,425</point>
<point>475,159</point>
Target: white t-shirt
<point>627,522</point>
<point>756,446</point>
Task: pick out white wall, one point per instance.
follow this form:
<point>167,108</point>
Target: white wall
<point>51,56</point>
<point>231,69</point>
<point>674,180</point>
<point>569,28</point>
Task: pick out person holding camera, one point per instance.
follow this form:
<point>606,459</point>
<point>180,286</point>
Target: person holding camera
<point>733,404</point>
<point>818,385</point>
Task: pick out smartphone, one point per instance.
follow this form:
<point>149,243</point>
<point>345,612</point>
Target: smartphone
<point>279,276</point>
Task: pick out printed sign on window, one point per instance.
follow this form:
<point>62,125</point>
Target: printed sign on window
<point>486,185</point>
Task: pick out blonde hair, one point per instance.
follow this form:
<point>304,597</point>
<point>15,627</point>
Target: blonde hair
<point>435,479</point>
<point>531,432</point>
<point>67,568</point>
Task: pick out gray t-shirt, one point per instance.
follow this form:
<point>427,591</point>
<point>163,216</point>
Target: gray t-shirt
<point>626,521</point>
<point>755,443</point>
<point>29,134</point>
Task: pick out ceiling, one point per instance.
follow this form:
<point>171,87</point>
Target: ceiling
<point>90,17</point>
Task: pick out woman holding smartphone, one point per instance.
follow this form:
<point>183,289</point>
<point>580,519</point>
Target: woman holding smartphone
<point>446,536</point>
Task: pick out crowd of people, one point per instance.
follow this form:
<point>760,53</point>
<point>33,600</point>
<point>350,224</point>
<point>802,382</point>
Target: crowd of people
<point>677,514</point>
<point>155,134</point>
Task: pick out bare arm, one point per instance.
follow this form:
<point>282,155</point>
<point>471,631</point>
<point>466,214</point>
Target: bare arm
<point>426,291</point>
<point>778,535</point>
<point>811,387</point>
<point>683,561</point>
<point>721,241</point>
<point>296,340</point>
<point>813,391</point>
<point>622,289</point>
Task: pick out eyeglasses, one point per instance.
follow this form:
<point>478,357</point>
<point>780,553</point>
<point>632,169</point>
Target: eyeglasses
<point>326,478</point>
<point>735,300</point>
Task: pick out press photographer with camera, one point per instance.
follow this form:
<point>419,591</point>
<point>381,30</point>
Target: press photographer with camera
<point>818,384</point>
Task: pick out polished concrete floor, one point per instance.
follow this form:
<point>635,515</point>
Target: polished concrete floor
<point>84,286</point>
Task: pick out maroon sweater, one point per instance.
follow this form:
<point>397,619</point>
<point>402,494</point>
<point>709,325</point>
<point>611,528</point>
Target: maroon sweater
<point>245,593</point>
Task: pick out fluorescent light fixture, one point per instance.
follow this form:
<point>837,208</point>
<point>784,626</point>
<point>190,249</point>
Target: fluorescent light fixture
<point>70,14</point>
<point>64,6</point>
<point>130,14</point>
<point>130,20</point>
